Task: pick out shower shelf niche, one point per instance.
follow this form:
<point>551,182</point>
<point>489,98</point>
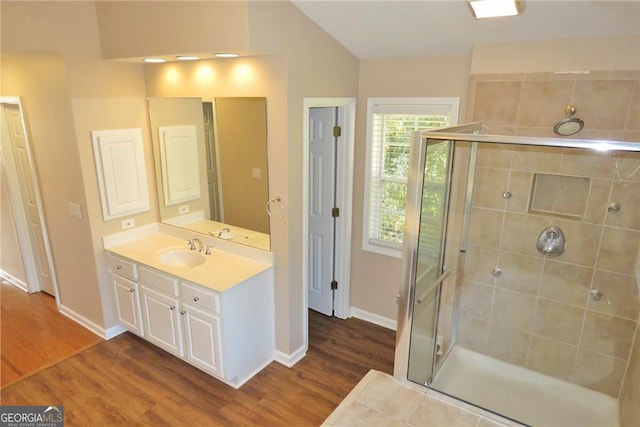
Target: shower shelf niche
<point>559,195</point>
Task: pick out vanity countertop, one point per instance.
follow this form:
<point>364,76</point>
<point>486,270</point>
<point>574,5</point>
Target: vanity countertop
<point>220,270</point>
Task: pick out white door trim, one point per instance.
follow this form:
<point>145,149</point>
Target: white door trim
<point>344,171</point>
<point>23,233</point>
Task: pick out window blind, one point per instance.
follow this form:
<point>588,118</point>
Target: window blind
<point>391,130</point>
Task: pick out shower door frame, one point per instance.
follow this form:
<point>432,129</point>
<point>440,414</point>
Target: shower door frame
<point>471,133</point>
<point>410,249</point>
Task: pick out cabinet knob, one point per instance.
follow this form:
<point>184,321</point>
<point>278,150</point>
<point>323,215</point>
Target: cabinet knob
<point>132,290</point>
<point>173,307</point>
<point>118,267</point>
<point>196,299</point>
<point>183,312</point>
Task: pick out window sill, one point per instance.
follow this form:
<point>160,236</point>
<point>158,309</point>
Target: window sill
<point>382,250</point>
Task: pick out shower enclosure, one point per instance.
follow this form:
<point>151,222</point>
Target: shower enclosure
<point>521,275</point>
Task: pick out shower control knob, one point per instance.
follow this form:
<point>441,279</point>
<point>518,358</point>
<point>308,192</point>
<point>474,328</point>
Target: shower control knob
<point>551,242</point>
<point>596,295</point>
<point>613,207</point>
<point>506,195</point>
<point>496,272</point>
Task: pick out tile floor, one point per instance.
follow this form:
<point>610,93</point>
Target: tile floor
<point>381,400</point>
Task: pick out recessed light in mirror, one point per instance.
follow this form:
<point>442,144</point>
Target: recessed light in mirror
<point>188,58</point>
<point>226,55</point>
<point>154,60</point>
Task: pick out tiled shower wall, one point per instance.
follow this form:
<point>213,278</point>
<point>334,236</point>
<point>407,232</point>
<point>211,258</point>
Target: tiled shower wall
<point>630,396</point>
<point>538,312</point>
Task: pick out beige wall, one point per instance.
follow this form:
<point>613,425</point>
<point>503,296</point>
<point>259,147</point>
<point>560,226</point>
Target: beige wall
<point>317,66</point>
<point>10,258</point>
<point>375,279</point>
<point>41,81</point>
<point>65,97</point>
<point>580,54</point>
<point>100,114</point>
<point>138,29</point>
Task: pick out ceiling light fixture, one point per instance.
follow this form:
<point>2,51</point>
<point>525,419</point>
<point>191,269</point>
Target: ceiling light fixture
<point>187,58</point>
<point>226,55</point>
<point>494,8</point>
<point>155,60</point>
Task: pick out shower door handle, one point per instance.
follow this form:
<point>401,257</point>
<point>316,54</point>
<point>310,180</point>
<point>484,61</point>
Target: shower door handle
<point>439,280</point>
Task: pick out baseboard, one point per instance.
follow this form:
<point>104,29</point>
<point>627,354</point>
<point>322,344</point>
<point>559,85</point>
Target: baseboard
<point>289,360</point>
<point>88,324</point>
<point>374,318</point>
<point>114,331</point>
<point>248,377</point>
<point>13,280</point>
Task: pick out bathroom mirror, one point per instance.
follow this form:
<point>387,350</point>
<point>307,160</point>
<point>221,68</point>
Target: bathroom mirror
<point>210,159</point>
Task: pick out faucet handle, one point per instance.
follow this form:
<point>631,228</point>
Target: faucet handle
<point>208,250</point>
<point>192,244</point>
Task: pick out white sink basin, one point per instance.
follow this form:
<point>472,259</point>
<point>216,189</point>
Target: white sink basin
<point>182,258</point>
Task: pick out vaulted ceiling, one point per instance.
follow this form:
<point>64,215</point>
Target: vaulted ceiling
<point>390,28</point>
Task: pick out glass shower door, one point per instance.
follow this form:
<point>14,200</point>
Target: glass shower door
<point>429,211</point>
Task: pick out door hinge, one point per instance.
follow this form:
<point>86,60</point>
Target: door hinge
<point>337,131</point>
<point>335,212</point>
<point>334,285</point>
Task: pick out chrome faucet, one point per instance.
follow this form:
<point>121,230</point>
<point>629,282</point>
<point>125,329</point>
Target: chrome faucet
<point>192,245</point>
<point>224,233</point>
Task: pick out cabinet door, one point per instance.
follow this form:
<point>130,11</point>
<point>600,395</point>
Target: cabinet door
<point>162,320</point>
<point>203,339</point>
<point>122,176</point>
<point>128,304</point>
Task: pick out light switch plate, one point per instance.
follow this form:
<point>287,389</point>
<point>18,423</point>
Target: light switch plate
<point>183,209</point>
<point>75,210</point>
<point>128,223</point>
<point>257,173</point>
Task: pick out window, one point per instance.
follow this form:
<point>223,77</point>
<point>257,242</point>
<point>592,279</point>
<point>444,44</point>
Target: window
<point>391,123</point>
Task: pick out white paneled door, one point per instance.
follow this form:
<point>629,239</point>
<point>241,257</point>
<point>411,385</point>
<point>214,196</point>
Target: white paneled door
<point>322,186</point>
<point>21,159</point>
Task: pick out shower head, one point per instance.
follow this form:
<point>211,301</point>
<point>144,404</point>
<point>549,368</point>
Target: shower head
<point>569,125</point>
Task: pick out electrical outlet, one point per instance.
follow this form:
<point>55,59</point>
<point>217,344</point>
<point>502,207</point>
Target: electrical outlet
<point>183,209</point>
<point>128,223</point>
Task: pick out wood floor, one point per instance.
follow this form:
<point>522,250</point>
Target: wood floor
<point>33,335</point>
<point>126,381</point>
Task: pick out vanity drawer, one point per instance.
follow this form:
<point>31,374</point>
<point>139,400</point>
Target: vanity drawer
<point>199,297</point>
<point>122,267</point>
<point>159,281</point>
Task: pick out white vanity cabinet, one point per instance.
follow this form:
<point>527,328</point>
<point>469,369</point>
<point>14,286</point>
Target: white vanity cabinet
<point>123,274</point>
<point>161,310</point>
<point>228,334</point>
<point>202,328</point>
